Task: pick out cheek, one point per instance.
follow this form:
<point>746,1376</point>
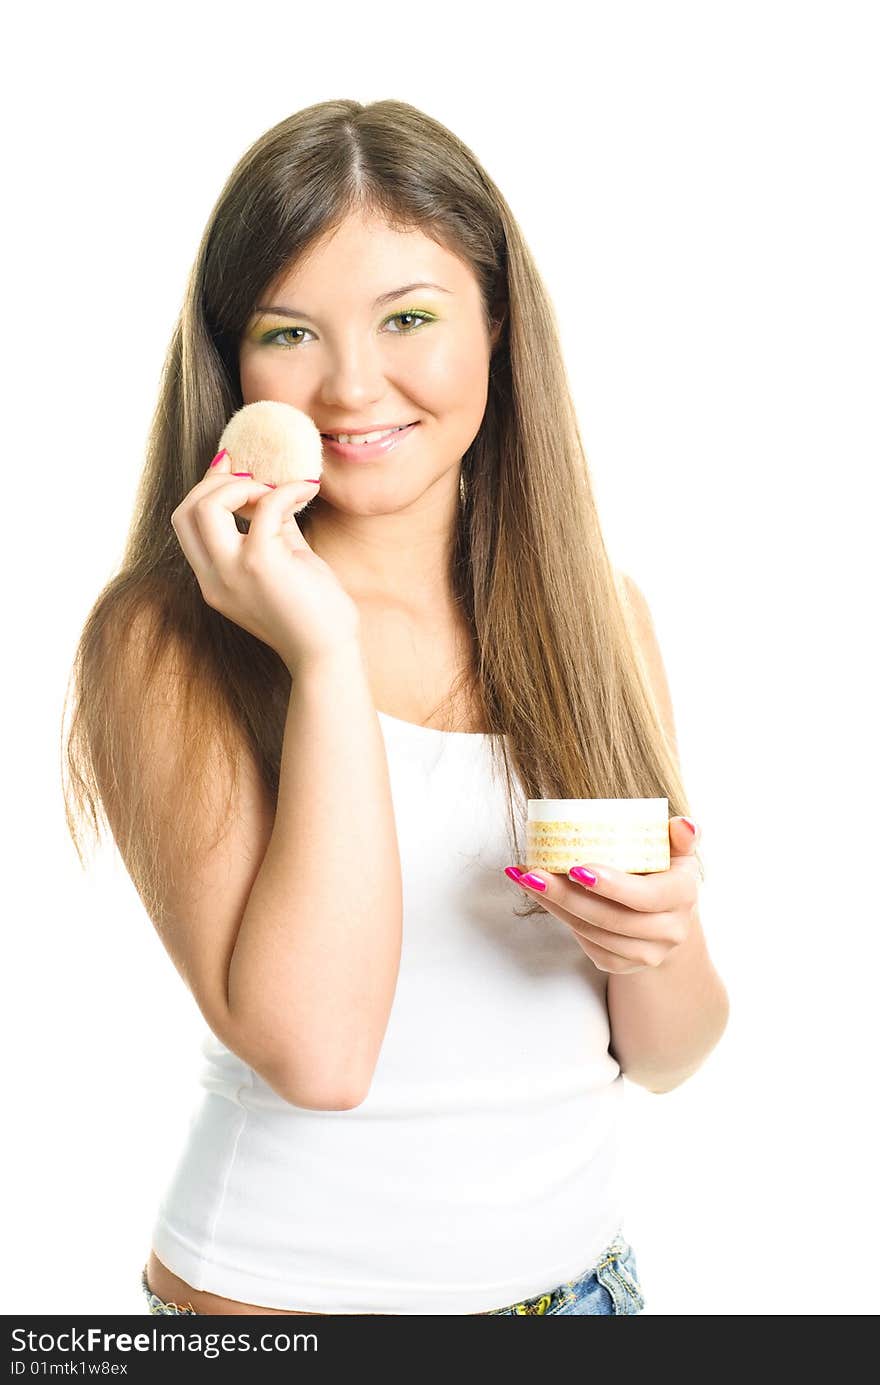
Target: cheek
<point>248,376</point>
<point>454,381</point>
<point>266,374</point>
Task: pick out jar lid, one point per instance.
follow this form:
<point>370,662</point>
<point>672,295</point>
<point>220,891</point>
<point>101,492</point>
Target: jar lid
<point>606,810</point>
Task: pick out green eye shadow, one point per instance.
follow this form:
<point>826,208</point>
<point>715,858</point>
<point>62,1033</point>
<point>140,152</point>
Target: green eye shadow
<point>264,336</point>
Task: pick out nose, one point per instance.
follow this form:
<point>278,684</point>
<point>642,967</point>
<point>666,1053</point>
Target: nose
<point>355,381</point>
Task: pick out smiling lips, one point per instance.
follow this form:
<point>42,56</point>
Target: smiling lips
<point>376,446</point>
<point>353,438</point>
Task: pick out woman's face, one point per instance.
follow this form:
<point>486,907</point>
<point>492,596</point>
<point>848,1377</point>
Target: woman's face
<point>350,362</point>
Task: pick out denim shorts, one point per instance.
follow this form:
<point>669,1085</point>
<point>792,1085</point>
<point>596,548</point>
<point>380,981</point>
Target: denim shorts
<point>610,1286</point>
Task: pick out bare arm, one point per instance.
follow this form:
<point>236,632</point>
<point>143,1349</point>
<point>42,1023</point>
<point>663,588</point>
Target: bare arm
<point>318,951</point>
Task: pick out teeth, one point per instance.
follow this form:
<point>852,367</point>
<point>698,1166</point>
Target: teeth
<point>358,438</point>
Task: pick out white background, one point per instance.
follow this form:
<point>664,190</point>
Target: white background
<point>698,183</point>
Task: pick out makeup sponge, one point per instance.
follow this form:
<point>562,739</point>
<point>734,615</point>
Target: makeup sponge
<point>275,441</point>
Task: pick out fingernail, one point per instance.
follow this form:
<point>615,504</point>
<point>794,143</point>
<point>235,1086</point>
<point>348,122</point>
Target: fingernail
<point>691,824</point>
<point>513,873</point>
<point>533,880</point>
<point>313,480</point>
<point>220,455</point>
<point>586,877</point>
<point>242,473</point>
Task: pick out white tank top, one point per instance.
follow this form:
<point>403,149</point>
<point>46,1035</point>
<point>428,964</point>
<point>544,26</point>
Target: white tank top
<point>482,1167</point>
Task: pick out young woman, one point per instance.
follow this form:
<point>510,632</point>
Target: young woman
<point>309,734</point>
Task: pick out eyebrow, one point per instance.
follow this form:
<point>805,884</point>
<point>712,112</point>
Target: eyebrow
<point>383,298</point>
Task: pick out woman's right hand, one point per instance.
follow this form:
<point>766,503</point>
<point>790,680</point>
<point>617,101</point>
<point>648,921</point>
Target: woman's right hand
<point>268,581</point>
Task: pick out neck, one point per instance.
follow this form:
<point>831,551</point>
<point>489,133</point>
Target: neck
<point>399,560</point>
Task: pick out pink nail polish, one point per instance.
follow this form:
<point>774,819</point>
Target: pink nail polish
<point>533,881</point>
<point>220,455</point>
<point>691,824</point>
<point>513,873</point>
<point>242,473</point>
<point>586,877</point>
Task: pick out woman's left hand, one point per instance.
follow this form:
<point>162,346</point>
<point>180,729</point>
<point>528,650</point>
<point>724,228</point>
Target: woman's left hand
<point>627,922</point>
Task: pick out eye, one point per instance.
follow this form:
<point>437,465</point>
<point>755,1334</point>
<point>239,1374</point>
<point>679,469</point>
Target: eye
<point>417,316</point>
<point>269,338</point>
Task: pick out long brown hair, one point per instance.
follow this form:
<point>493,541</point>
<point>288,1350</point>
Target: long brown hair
<point>555,664</point>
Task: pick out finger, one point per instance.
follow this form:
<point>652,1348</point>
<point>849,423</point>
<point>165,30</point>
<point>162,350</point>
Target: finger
<point>276,508</point>
<point>651,893</point>
<point>640,952</point>
<point>212,516</point>
<point>190,540</point>
<point>576,904</point>
<point>604,960</point>
<point>217,473</point>
<point>683,836</point>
